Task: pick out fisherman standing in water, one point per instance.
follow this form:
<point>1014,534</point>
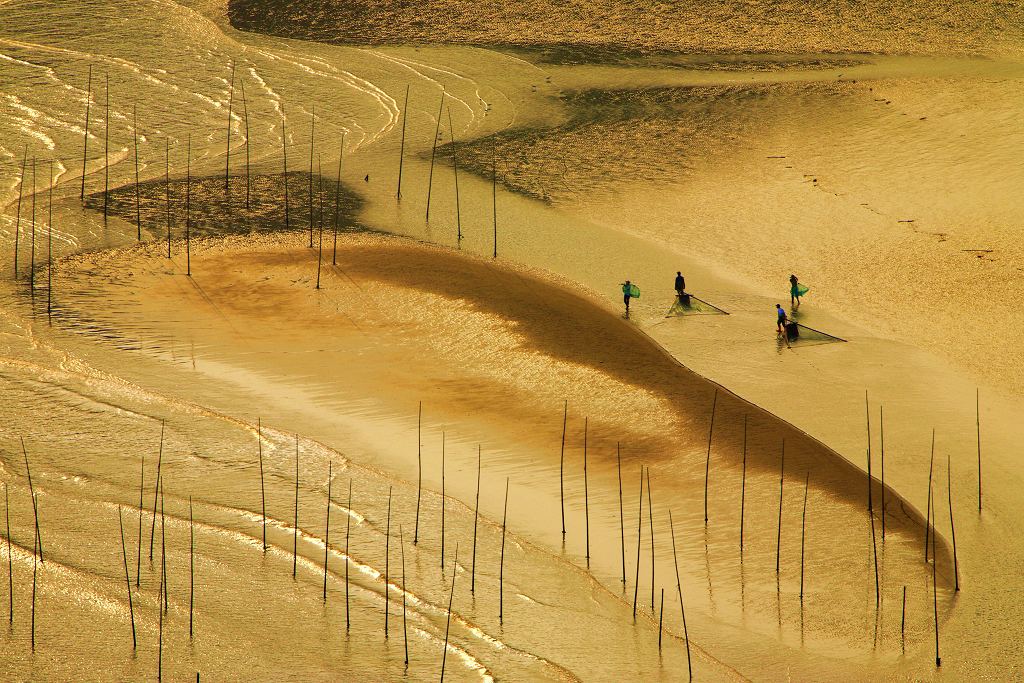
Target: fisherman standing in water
<point>783,318</point>
<point>795,289</point>
<point>680,284</point>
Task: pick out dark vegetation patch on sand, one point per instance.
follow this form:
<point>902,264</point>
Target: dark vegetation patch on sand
<point>609,26</point>
<point>213,211</point>
<point>614,136</point>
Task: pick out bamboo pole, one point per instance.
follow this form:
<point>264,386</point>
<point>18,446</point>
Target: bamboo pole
<point>138,199</point>
<point>782,478</point>
<point>661,618</point>
<point>35,507</point>
<point>743,482</point>
<point>35,547</point>
<point>501,563</point>
<point>448,623</point>
<point>443,501</point>
<point>138,555</point>
<point>10,557</point>
<point>163,545</point>
<point>679,588</point>
<point>903,620</point>
<point>867,415</point>
<point>650,519</point>
<point>327,535</point>
<point>935,598</point>
<point>245,116</point>
<point>106,150</point>
<point>49,243</point>
<point>32,242</point>
<point>188,207</point>
<point>874,553</point>
<point>405,628</point>
<point>387,567</point>
<point>167,190</point>
<point>227,143</point>
<point>586,492</point>
<point>803,535</point>
<point>337,199</point>
<point>127,579</point>
<point>419,470</point>
<point>433,153</point>
<point>977,409</point>
<point>494,192</point>
<point>17,221</point>
<point>455,164</point>
<point>639,531</point>
<point>476,519</point>
<point>622,519</point>
<point>85,137</point>
<point>320,238</point>
<point>284,149</point>
<point>952,526</point>
<point>312,146</point>
<point>263,495</point>
<point>928,516</point>
<point>160,598</point>
<point>401,160</point>
<point>295,529</point>
<point>191,567</point>
<point>881,430</point>
<point>561,468</point>
<point>707,462</point>
<point>348,534</point>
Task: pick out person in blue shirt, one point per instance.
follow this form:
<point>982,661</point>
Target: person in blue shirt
<point>783,318</point>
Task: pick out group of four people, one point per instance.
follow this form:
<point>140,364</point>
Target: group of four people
<point>796,290</point>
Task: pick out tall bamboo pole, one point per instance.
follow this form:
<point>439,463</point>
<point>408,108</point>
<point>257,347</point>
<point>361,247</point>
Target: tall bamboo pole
<point>639,532</point>
<point>433,153</point>
<point>245,117</point>
<point>401,161</point>
<point>679,588</point>
<point>138,199</point>
<point>419,470</point>
<point>337,199</point>
<point>312,146</point>
<point>85,137</point>
<point>743,482</point>
<point>586,490</point>
<point>782,477</point>
<point>106,150</point>
<point>284,150</point>
<point>448,622</point>
<point>455,164</point>
<point>501,565</point>
<point>227,143</point>
<point>17,220</point>
<point>476,520</point>
<point>622,519</point>
<point>295,529</point>
<point>561,468</point>
<point>327,534</point>
<point>707,462</point>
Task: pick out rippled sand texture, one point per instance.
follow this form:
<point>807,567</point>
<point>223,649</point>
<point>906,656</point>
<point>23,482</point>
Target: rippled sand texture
<point>430,324</point>
<point>879,27</point>
<point>888,181</point>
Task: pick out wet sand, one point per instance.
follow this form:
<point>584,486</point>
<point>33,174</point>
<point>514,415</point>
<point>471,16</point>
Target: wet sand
<point>493,349</point>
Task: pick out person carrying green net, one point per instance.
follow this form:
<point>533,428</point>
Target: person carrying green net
<point>629,291</point>
<point>796,290</point>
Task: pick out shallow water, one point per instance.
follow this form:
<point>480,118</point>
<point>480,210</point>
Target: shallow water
<point>491,350</point>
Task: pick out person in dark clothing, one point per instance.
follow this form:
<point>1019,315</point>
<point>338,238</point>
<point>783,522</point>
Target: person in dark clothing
<point>627,293</point>
<point>680,284</point>
<point>794,291</point>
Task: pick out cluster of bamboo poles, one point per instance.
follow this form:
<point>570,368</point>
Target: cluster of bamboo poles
<point>157,511</point>
<point>314,196</point>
